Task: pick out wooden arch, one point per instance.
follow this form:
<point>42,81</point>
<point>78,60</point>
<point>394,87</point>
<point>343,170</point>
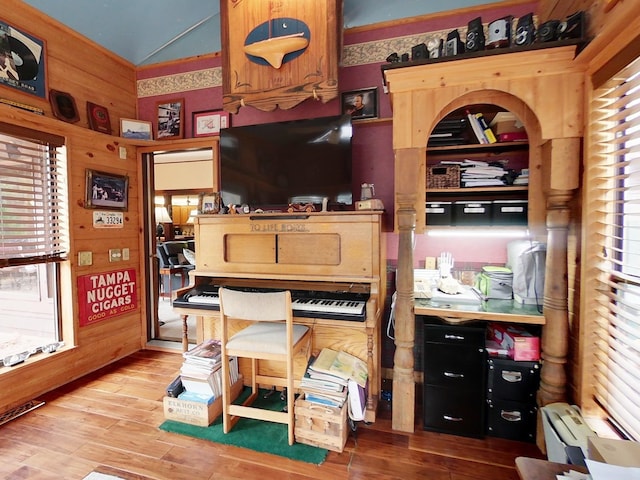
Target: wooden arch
<point>544,88</point>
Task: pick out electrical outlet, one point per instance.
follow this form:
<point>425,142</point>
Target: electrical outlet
<point>125,254</point>
<point>123,153</point>
<point>430,263</point>
<point>115,254</point>
<point>85,258</point>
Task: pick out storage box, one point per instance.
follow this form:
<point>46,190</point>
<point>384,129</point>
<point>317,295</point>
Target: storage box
<point>472,213</point>
<point>512,420</point>
<point>509,212</point>
<point>624,453</point>
<point>521,345</point>
<point>505,122</point>
<point>197,413</point>
<point>513,381</point>
<point>439,213</point>
<point>320,425</point>
<point>443,176</point>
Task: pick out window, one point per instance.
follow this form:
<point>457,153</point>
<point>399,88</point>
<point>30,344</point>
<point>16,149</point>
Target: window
<point>33,240</point>
<point>612,209</point>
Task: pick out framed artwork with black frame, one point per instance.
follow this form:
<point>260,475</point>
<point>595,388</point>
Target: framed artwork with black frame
<point>210,122</point>
<point>63,106</point>
<point>22,61</point>
<point>108,191</point>
<point>360,104</point>
<point>170,119</point>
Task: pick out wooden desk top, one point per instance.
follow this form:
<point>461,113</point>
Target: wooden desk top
<point>494,310</point>
<point>538,469</point>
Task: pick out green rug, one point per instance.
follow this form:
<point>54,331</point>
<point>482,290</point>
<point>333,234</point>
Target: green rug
<point>267,437</point>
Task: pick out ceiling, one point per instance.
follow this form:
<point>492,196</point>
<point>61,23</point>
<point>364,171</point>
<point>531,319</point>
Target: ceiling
<point>152,31</point>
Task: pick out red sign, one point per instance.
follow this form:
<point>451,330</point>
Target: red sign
<point>106,295</point>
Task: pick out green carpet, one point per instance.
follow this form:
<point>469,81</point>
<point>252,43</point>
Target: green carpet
<point>267,437</point>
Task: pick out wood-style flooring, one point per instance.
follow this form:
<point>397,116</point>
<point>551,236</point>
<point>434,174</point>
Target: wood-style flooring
<point>111,418</point>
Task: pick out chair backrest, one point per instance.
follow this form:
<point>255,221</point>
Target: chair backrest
<point>162,256</point>
<point>172,249</point>
<point>257,306</point>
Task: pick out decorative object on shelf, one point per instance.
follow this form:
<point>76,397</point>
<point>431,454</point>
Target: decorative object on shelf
<point>22,106</point>
<point>417,52</point>
<point>98,117</point>
<point>170,119</point>
<point>360,104</point>
<point>210,203</point>
<point>279,54</point>
<point>64,106</point>
<point>22,61</point>
<point>500,33</point>
<point>475,35</point>
<point>572,27</point>
<point>453,45</point>
<point>525,30</point>
<point>548,31</point>
<point>105,190</point>
<point>138,129</point>
<point>210,122</point>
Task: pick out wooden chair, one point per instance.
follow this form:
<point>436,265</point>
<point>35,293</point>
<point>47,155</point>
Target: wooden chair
<point>272,336</point>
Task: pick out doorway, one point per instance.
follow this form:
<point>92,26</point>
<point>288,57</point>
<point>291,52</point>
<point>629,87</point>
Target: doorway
<point>175,179</point>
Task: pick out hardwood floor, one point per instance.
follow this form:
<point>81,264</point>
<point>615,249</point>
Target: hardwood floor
<point>111,417</point>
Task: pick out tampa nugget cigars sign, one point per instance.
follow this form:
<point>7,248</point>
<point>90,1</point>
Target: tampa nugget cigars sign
<point>106,295</point>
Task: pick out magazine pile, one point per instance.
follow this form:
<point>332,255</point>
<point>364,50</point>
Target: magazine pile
<point>335,377</point>
<point>201,372</point>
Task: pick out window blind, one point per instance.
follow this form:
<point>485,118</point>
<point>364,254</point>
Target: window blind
<point>612,184</point>
<point>33,197</point>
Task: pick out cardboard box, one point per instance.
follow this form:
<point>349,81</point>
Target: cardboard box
<point>197,413</point>
<point>320,425</point>
<point>520,344</point>
<point>624,453</point>
<point>505,122</point>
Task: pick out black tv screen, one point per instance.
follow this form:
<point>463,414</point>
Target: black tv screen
<point>272,165</point>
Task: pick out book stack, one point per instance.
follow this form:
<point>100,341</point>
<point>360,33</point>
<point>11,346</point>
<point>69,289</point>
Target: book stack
<point>335,377</point>
<point>480,128</point>
<point>448,132</point>
<point>201,372</point>
<point>476,173</point>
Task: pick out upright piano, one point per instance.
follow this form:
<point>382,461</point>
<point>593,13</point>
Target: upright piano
<point>333,263</point>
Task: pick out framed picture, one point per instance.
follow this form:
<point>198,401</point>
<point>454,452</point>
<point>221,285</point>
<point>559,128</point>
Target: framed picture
<point>210,203</point>
<point>64,106</point>
<point>170,119</point>
<point>360,103</point>
<point>22,61</point>
<point>210,122</point>
<point>107,190</point>
<point>98,118</point>
<point>138,129</point>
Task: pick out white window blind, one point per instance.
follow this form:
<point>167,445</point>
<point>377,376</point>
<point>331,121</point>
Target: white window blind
<point>613,206</point>
<point>33,211</point>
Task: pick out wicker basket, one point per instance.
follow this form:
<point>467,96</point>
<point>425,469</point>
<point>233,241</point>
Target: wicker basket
<point>443,176</point>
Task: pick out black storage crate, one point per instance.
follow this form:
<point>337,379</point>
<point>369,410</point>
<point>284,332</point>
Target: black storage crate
<point>472,213</point>
<point>439,213</point>
<point>511,380</point>
<point>511,420</point>
<point>509,212</point>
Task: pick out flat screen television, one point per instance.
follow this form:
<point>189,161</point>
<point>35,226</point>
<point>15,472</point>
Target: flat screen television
<point>272,165</point>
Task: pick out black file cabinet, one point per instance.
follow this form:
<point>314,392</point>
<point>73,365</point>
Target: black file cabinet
<point>454,360</point>
<point>511,398</point>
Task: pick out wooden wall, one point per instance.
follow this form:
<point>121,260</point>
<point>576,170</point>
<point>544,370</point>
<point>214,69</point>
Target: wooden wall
<point>87,72</point>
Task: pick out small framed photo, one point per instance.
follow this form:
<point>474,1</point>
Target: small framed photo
<point>209,203</point>
<point>170,119</point>
<point>63,106</point>
<point>138,129</point>
<point>98,118</point>
<point>107,191</point>
<point>360,104</point>
<point>210,122</point>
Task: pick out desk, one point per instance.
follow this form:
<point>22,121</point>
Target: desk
<point>493,310</point>
<point>537,469</point>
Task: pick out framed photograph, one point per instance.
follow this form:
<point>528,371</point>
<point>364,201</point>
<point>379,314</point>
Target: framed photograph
<point>107,191</point>
<point>210,122</point>
<point>64,106</point>
<point>209,203</point>
<point>98,118</point>
<point>360,104</point>
<point>22,61</point>
<point>170,119</point>
<point>138,129</point>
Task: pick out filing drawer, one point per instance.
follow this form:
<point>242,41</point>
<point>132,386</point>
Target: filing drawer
<point>472,336</point>
<point>511,380</point>
<point>454,366</point>
<point>454,411</point>
<point>511,420</point>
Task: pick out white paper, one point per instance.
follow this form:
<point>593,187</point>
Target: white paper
<point>606,471</point>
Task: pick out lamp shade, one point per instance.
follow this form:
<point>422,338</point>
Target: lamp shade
<point>162,215</point>
<point>192,214</point>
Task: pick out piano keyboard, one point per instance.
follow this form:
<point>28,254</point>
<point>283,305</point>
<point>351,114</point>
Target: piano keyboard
<point>304,304</point>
